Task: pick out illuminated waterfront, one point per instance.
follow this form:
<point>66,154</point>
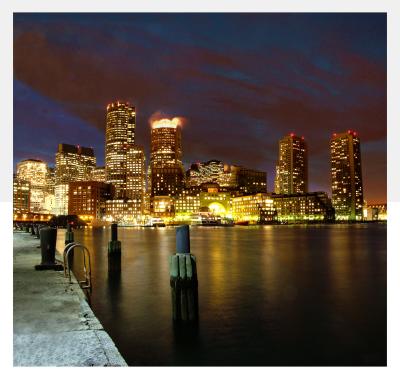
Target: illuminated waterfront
<point>268,295</point>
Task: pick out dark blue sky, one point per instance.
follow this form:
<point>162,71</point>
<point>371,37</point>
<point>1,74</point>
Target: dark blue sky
<point>241,81</point>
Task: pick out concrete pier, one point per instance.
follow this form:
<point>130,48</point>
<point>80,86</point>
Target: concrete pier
<point>53,323</point>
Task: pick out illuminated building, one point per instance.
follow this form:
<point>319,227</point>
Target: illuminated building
<point>306,207</point>
<point>292,168</point>
<point>216,202</point>
<point>205,172</point>
<point>35,172</point>
<point>163,207</point>
<point>187,204</point>
<point>73,163</point>
<point>256,208</point>
<point>87,199</point>
<point>136,176</point>
<point>232,177</point>
<point>347,187</point>
<point>167,174</point>
<point>375,212</point>
<point>99,174</point>
<point>120,137</point>
<point>249,181</point>
<point>21,196</point>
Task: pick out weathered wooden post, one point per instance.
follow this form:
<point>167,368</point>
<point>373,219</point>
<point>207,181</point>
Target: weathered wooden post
<point>48,239</point>
<point>114,251</point>
<point>32,229</point>
<point>183,278</point>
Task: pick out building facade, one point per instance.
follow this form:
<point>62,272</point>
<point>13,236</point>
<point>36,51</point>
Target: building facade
<point>346,175</point>
<point>73,163</point>
<point>87,199</point>
<point>34,171</point>
<point>136,176</point>
<point>167,173</point>
<point>292,167</point>
<point>21,197</point>
<point>120,137</point>
<point>255,208</point>
<point>306,207</point>
<point>99,174</point>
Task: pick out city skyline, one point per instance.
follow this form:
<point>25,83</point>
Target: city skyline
<point>303,87</point>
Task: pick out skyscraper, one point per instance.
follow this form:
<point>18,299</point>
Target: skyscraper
<point>167,174</point>
<point>120,137</point>
<point>347,187</point>
<point>34,171</point>
<point>292,168</point>
<point>136,176</point>
<point>73,163</point>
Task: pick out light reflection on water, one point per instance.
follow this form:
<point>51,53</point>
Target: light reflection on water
<point>268,295</point>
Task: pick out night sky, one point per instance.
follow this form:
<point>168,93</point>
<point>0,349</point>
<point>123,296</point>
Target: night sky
<point>241,81</point>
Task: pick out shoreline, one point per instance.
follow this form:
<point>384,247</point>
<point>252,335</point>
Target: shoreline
<point>52,321</point>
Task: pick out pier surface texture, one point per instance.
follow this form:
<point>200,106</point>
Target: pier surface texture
<point>53,323</point>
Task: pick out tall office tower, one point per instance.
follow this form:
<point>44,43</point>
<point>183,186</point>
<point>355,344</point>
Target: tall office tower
<point>73,163</point>
<point>34,171</point>
<point>167,174</point>
<point>292,168</point>
<point>347,188</point>
<point>136,175</point>
<point>120,137</point>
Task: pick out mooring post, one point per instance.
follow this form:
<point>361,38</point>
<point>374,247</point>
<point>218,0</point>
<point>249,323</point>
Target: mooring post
<point>183,278</point>
<point>114,250</point>
<point>32,229</point>
<point>48,239</point>
<point>69,237</point>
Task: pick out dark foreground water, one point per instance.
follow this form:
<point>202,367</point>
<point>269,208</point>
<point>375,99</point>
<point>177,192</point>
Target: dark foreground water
<point>268,295</point>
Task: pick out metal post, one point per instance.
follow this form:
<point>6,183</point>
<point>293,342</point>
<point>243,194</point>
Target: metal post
<point>114,251</point>
<point>183,279</point>
<point>48,239</point>
<point>69,237</point>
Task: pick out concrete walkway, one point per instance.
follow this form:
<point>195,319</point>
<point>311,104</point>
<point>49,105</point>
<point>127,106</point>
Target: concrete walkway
<point>53,324</point>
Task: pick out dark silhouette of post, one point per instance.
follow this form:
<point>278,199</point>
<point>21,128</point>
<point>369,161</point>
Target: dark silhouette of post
<point>69,237</point>
<point>114,251</point>
<point>33,229</point>
<point>48,239</point>
<point>183,279</point>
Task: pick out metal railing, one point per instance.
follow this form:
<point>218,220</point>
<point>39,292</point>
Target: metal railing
<point>87,283</point>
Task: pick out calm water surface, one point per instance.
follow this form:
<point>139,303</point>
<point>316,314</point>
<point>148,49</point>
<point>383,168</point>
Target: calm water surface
<point>268,295</point>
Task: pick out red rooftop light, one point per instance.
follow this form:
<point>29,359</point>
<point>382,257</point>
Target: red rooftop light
<point>291,134</point>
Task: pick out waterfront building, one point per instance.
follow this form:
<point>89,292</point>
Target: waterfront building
<point>99,174</point>
<point>375,212</point>
<point>87,199</point>
<point>73,163</point>
<point>187,204</point>
<point>292,167</point>
<point>21,197</point>
<point>305,207</point>
<point>124,211</point>
<point>255,208</point>
<point>163,207</point>
<point>346,175</point>
<point>120,138</point>
<point>167,174</point>
<point>214,201</point>
<point>35,172</point>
